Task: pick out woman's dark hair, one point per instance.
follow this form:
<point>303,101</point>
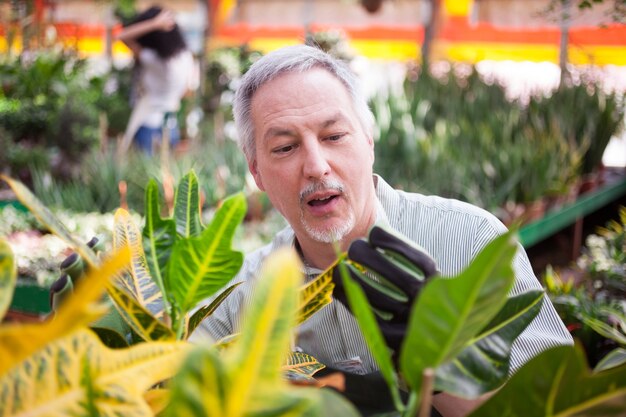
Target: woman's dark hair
<point>166,44</point>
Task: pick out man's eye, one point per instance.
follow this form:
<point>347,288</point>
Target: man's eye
<point>334,138</point>
<point>283,149</point>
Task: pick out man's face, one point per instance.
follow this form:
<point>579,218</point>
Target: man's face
<point>313,158</point>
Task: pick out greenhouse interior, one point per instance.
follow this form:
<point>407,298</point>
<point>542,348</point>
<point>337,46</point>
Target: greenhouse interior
<point>158,258</point>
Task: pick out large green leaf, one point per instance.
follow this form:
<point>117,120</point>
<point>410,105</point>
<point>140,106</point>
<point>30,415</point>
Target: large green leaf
<point>159,236</point>
<point>187,206</point>
<point>49,220</point>
<point>20,340</point>
<point>558,382</point>
<point>8,276</point>
<point>79,376</point>
<point>484,364</point>
<point>207,310</point>
<point>451,312</point>
<point>137,281</point>
<point>200,266</point>
<point>139,318</point>
<point>371,332</point>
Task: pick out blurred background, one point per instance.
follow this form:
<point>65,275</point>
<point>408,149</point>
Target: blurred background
<point>516,106</point>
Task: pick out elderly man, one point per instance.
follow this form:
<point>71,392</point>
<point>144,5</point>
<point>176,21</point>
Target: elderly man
<point>306,131</point>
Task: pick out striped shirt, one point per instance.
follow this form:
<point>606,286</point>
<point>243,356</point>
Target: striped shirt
<point>453,232</point>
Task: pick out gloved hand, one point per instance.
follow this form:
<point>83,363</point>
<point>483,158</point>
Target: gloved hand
<point>399,269</point>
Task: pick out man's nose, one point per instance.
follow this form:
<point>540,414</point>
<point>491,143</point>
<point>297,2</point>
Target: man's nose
<point>315,162</point>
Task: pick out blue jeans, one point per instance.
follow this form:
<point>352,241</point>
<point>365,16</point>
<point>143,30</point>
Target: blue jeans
<point>146,136</point>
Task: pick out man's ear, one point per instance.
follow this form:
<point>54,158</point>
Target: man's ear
<point>252,167</point>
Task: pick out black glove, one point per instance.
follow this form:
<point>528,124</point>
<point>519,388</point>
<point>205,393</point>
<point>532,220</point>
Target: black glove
<point>400,270</point>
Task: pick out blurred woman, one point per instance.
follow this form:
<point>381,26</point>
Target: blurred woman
<point>166,74</point>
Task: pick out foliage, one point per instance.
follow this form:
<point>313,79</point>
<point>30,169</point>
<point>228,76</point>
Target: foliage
<point>91,379</point>
<point>48,108</point>
<point>224,66</point>
<point>593,303</point>
<point>219,166</point>
<point>475,321</point>
<point>494,151</point>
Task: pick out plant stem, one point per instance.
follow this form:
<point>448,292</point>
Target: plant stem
<point>428,378</point>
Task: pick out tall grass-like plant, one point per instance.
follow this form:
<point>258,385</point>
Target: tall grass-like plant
<point>459,136</point>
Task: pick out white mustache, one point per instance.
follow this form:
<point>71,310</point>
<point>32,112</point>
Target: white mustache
<point>323,185</point>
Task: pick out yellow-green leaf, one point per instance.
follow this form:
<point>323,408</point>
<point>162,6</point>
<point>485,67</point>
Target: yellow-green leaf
<point>79,376</point>
<point>317,294</point>
<point>200,266</point>
<point>45,216</point>
<point>138,282</point>
<point>302,363</point>
<point>19,340</point>
<point>138,318</point>
<point>207,310</point>
<point>256,358</point>
<point>8,276</point>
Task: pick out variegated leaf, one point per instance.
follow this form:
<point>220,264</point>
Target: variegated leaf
<point>138,281</point>
<point>207,310</point>
<point>49,220</point>
<point>200,266</point>
<point>138,318</point>
<point>263,343</point>
<point>159,235</point>
<point>187,206</point>
<point>317,294</point>
<point>302,363</point>
<point>19,340</point>
<point>79,376</point>
<point>8,276</point>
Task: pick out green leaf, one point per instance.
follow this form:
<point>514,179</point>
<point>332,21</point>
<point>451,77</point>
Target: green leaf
<point>138,318</point>
<point>364,315</point>
<point>8,276</point>
<point>200,266</point>
<point>614,358</point>
<point>49,220</point>
<point>159,236</point>
<point>557,382</point>
<point>484,364</point>
<point>200,388</point>
<point>207,310</point>
<point>605,329</point>
<point>451,312</point>
<point>137,281</point>
<point>78,375</point>
<point>187,206</point>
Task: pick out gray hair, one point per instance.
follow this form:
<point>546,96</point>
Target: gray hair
<point>298,58</point>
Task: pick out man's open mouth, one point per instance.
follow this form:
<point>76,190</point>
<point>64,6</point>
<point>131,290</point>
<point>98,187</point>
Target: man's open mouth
<point>321,201</point>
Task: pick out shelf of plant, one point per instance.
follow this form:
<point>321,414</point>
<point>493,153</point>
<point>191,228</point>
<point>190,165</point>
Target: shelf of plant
<point>573,213</point>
